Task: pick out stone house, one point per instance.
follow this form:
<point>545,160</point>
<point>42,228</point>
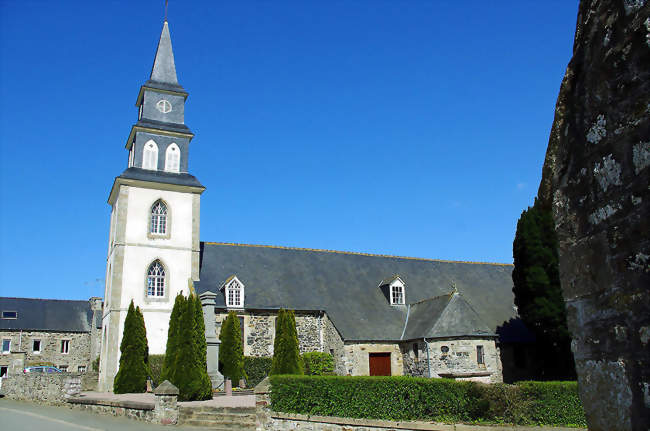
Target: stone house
<point>59,332</point>
<point>375,314</point>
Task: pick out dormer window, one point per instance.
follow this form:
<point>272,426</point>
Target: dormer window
<point>395,290</point>
<point>396,294</point>
<point>234,292</point>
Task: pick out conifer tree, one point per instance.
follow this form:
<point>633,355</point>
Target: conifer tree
<point>286,353</point>
<point>133,371</point>
<point>171,351</point>
<point>538,293</point>
<point>204,384</point>
<point>231,352</point>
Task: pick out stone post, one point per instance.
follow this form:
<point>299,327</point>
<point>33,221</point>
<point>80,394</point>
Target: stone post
<point>166,404</point>
<point>71,387</point>
<point>208,304</point>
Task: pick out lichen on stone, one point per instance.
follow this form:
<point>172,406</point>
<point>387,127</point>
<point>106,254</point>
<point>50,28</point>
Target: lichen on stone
<point>608,172</point>
<point>639,262</point>
<point>603,213</point>
<point>597,130</point>
<point>640,156</point>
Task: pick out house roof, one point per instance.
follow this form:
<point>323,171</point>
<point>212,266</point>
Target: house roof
<point>47,315</point>
<point>345,285</point>
<point>183,179</point>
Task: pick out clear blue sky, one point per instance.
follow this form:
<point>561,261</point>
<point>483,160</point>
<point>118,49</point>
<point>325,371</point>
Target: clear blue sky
<point>414,128</point>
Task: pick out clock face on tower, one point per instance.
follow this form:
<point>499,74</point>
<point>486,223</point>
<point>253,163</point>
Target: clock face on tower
<point>164,106</point>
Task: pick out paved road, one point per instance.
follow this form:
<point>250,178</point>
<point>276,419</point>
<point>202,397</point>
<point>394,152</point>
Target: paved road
<point>26,416</point>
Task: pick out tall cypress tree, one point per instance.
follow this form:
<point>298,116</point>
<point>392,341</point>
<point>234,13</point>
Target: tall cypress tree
<point>171,351</point>
<point>203,390</point>
<point>538,293</point>
<point>286,353</point>
<point>231,352</point>
<point>133,371</point>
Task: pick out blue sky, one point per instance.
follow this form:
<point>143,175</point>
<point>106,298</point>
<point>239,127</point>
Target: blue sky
<point>412,128</point>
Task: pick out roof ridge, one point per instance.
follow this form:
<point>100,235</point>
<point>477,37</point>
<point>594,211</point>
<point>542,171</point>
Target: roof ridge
<point>44,299</point>
<point>354,253</point>
<point>431,298</point>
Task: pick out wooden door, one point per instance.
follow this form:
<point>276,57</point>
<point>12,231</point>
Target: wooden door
<point>379,364</point>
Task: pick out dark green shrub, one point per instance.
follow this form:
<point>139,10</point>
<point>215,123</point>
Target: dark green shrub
<point>286,354</point>
<point>554,403</point>
<point>156,365</point>
<point>202,385</point>
<point>133,371</point>
<point>318,363</point>
<point>231,351</point>
<point>256,368</point>
<point>95,364</point>
<point>442,400</point>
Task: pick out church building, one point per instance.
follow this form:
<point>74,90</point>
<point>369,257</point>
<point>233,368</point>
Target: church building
<point>376,314</point>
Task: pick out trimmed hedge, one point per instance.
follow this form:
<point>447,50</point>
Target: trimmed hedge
<point>156,365</point>
<point>256,368</point>
<point>443,400</point>
<point>318,363</point>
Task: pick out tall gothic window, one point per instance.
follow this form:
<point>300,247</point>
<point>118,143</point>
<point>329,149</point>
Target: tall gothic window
<point>156,279</point>
<point>172,158</point>
<point>397,294</point>
<point>150,156</point>
<point>158,218</point>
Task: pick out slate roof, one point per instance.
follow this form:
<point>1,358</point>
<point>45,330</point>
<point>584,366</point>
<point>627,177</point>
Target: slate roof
<point>347,287</point>
<point>47,315</point>
<point>183,179</point>
<point>161,125</point>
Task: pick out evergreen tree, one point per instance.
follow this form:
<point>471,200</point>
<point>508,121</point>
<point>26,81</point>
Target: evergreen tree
<point>286,354</point>
<point>133,371</point>
<point>538,293</point>
<point>143,328</point>
<point>231,352</point>
<point>204,384</point>
<point>168,370</point>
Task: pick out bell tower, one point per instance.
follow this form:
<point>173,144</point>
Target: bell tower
<point>153,250</point>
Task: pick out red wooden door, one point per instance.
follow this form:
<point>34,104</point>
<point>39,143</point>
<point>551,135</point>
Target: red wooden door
<point>379,364</point>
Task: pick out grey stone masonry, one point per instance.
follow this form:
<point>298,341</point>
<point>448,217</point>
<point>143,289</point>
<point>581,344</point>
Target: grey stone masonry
<point>52,349</point>
<point>212,342</point>
<point>333,344</point>
<point>44,388</point>
<point>166,407</point>
<point>259,331</point>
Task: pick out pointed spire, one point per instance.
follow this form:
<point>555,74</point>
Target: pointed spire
<point>163,69</point>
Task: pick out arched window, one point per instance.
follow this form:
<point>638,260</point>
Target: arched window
<point>158,218</point>
<point>172,158</point>
<point>150,156</point>
<point>156,279</point>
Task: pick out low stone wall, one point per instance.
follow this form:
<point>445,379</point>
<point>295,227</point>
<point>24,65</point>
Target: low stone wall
<point>288,421</point>
<point>43,388</point>
<point>142,413</point>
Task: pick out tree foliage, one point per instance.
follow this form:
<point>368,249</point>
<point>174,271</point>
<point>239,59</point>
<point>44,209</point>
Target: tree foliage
<point>538,293</point>
<point>286,354</point>
<point>231,351</point>
<point>134,368</point>
<point>185,358</point>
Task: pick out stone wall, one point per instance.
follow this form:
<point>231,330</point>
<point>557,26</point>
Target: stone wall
<point>460,361</point>
<point>333,344</point>
<point>414,359</point>
<point>44,388</point>
<point>357,355</point>
<point>595,179</point>
<point>259,331</point>
<point>78,352</point>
